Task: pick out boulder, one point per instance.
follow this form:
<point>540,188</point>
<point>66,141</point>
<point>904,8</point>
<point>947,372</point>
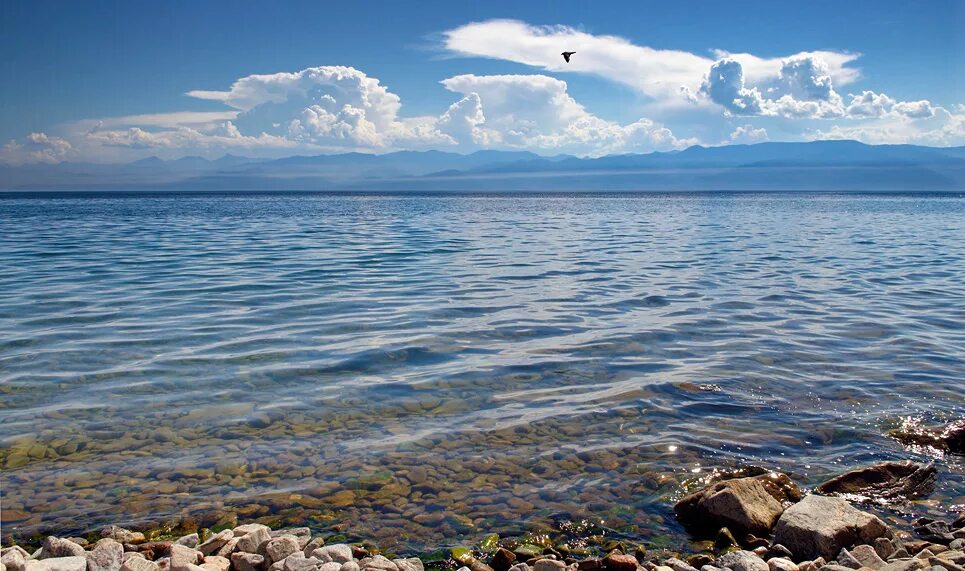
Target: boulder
<point>338,552</point>
<point>821,526</point>
<point>377,563</point>
<point>56,547</point>
<point>742,561</point>
<point>867,557</point>
<point>950,438</point>
<point>107,555</point>
<point>886,482</point>
<point>743,505</point>
<point>182,556</point>
<point>349,566</point>
<point>252,541</point>
<point>216,563</point>
<point>278,548</point>
<point>71,563</point>
<point>302,534</point>
<point>244,561</point>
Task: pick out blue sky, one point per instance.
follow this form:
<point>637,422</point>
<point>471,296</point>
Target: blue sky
<point>109,81</point>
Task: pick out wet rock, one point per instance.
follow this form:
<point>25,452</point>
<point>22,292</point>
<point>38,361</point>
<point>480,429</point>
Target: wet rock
<point>56,547</point>
<point>246,561</point>
<point>698,560</point>
<point>616,561</point>
<point>781,564</point>
<point>752,541</point>
<point>409,564</point>
<point>743,505</point>
<point>216,542</point>
<point>502,560</point>
<point>182,556</point>
<point>819,525</point>
<point>71,563</point>
<point>678,565</point>
<point>139,564</point>
<point>936,532</point>
<point>742,561</point>
<point>279,548</point>
<point>190,540</point>
<point>107,555</point>
<point>887,482</point>
<point>725,540</point>
<point>950,438</point>
<point>122,535</point>
<point>338,552</point>
<point>549,565</point>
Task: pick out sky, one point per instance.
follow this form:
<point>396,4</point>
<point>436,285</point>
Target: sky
<point>120,81</point>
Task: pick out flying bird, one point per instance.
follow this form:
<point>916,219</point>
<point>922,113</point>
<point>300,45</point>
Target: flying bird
<point>566,56</point>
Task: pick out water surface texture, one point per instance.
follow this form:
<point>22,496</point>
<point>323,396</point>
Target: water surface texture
<point>423,370</point>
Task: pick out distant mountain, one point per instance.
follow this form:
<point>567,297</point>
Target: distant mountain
<point>819,165</point>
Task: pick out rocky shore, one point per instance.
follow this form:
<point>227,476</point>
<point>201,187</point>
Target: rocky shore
<point>761,522</point>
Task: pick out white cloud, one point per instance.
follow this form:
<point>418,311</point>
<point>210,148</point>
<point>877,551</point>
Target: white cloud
<point>536,112</point>
<point>747,134</point>
<point>942,127</point>
<point>36,148</point>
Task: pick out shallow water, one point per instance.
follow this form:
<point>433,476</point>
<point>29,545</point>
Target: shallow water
<point>423,370</point>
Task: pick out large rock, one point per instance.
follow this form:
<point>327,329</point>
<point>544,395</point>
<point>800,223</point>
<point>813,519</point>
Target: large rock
<point>71,563</point>
<point>950,437</point>
<point>885,482</point>
<point>742,561</point>
<point>821,526</point>
<point>56,547</point>
<point>251,542</point>
<point>182,556</point>
<point>743,505</point>
<point>14,558</point>
<point>107,555</point>
<point>278,548</point>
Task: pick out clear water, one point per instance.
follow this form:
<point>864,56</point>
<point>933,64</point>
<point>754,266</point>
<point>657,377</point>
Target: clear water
<point>423,370</point>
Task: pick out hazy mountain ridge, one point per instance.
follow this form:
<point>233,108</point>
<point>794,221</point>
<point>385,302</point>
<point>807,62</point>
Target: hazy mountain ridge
<point>831,165</point>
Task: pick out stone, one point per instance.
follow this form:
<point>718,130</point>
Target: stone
<point>70,563</point>
<point>678,565</point>
<point>502,560</point>
<point>743,505</point>
<point>778,550</point>
<point>298,562</point>
<point>950,437</point>
<point>338,552</point>
<point>884,547</point>
<point>333,566</point>
<point>182,556</point>
<point>36,565</point>
<point>216,563</point>
<point>122,535</point>
<point>377,563</point>
<point>56,547</point>
<point>936,561</point>
<point>216,542</point>
<point>847,560</point>
<point>190,540</point>
<point>781,564</point>
<point>409,564</point>
<point>958,544</point>
<point>821,526</point>
<point>835,567</point>
<point>312,545</point>
<point>350,566</point>
<point>278,548</point>
<point>885,482</point>
<point>742,561</point>
<point>155,549</point>
<point>725,540</point>
<point>867,556</point>
<point>139,564</point>
<point>548,565</point>
<point>252,541</point>
<point>905,565</point>
<point>246,561</point>
<point>107,555</point>
<point>302,534</point>
<point>698,560</point>
<point>935,532</point>
<point>517,567</point>
<point>616,561</point>
<point>128,555</point>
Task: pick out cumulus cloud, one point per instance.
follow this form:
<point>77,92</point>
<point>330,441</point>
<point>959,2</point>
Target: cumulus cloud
<point>747,134</point>
<point>942,127</point>
<point>36,148</point>
<point>666,75</point>
<point>537,112</point>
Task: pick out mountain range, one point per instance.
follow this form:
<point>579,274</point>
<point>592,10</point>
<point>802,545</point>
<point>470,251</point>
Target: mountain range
<point>818,165</point>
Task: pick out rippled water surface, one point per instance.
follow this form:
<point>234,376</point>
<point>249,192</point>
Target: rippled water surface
<point>423,370</point>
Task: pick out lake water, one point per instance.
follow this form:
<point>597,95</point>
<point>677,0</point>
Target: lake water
<point>422,370</point>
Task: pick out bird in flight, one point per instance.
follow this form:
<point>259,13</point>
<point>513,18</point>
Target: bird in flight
<point>566,56</point>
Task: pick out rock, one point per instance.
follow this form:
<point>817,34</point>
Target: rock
<point>867,556</point>
<point>122,535</point>
<point>502,560</point>
<point>887,482</point>
<point>56,547</point>
<point>950,437</point>
<point>725,540</point>
<point>548,565</point>
<point>847,560</point>
<point>216,563</point>
<point>333,566</point>
<point>279,548</point>
<point>139,564</point>
<point>905,565</point>
<point>302,534</point>
<point>698,560</point>
<point>14,559</point>
<point>958,544</point>
<point>298,562</point>
<point>819,525</point>
<point>377,563</point>
<point>312,545</point>
<point>409,564</point>
<point>935,532</point>
<point>742,561</point>
<point>190,540</point>
<point>251,542</point>
<point>182,556</point>
<point>616,561</point>
<point>70,563</point>
<point>247,561</point>
<point>128,555</point>
<point>107,555</point>
<point>936,561</point>
<point>338,552</point>
<point>743,505</point>
<point>216,542</point>
<point>835,567</point>
<point>778,550</point>
<point>678,565</point>
<point>781,564</point>
<point>350,566</point>
<point>884,547</point>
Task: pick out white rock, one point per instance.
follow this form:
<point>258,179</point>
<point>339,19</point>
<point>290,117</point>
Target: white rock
<point>338,552</point>
<point>548,565</point>
<point>350,566</point>
<point>410,564</point>
<point>742,561</point>
<point>107,555</point>
<point>139,564</point>
<point>252,541</point>
<point>331,566</point>
<point>820,525</point>
<point>14,558</point>
<point>182,556</point>
<point>73,563</point>
<point>377,563</point>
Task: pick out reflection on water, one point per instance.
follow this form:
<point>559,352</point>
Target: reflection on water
<point>424,370</point>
